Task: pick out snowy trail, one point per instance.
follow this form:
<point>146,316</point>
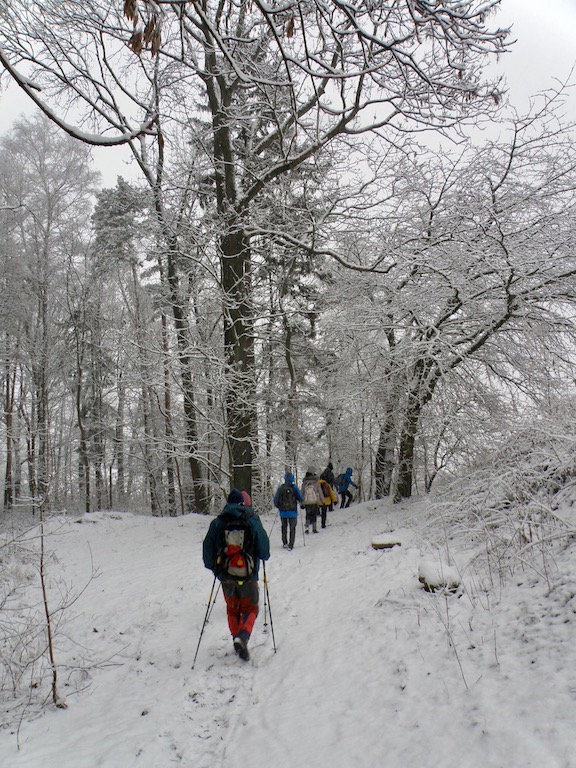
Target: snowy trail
<point>322,686</point>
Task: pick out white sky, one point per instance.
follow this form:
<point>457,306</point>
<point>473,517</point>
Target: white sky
<point>545,50</point>
<point>544,53</point>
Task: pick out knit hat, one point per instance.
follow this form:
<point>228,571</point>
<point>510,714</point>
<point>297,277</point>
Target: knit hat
<point>330,465</point>
<point>289,478</point>
<point>235,497</point>
<point>311,471</point>
<point>246,498</point>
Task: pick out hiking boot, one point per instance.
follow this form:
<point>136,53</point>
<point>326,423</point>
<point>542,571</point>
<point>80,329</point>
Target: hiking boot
<point>285,545</point>
<point>307,531</point>
<point>314,530</point>
<point>241,648</point>
<point>290,548</point>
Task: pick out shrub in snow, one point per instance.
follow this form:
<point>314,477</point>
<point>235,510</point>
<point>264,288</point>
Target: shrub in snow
<point>516,505</point>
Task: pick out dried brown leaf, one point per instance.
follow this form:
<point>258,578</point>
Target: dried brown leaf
<point>135,42</point>
<point>149,30</point>
<point>156,40</point>
<point>131,10</point>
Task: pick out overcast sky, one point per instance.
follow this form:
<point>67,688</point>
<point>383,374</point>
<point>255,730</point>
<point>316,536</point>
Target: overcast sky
<point>545,31</point>
<point>545,50</point>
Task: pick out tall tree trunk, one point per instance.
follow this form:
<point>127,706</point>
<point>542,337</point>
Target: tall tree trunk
<point>291,443</point>
<point>235,266</point>
<point>170,276</point>
<point>9,475</point>
<point>406,448</point>
<point>168,429</point>
<point>28,420</point>
<point>41,394</point>
<point>83,458</point>
<point>152,473</point>
<point>119,448</point>
<point>425,377</point>
<point>186,374</point>
<point>97,416</point>
<point>384,464</point>
<point>241,416</point>
<point>149,452</point>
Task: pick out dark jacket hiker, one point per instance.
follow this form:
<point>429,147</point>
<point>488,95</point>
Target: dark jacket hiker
<point>286,500</point>
<point>328,476</point>
<point>235,544</point>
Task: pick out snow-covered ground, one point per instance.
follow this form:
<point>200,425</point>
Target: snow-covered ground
<point>371,671</point>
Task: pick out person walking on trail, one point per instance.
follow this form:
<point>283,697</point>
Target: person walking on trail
<point>328,476</point>
<point>330,498</point>
<point>234,545</point>
<point>345,481</point>
<point>286,500</point>
<point>313,498</point>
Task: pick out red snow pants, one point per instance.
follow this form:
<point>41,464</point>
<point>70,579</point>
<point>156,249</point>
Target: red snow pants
<point>241,607</point>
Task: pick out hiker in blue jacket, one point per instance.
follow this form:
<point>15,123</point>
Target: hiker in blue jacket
<point>343,486</point>
<point>286,500</point>
<point>241,596</point>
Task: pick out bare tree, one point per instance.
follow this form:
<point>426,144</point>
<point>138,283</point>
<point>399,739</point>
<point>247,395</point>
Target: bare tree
<point>471,263</point>
<point>47,175</point>
<point>278,84</point>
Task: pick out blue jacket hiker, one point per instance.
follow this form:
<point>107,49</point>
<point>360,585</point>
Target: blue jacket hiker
<point>286,500</point>
<point>235,544</point>
<point>344,482</point>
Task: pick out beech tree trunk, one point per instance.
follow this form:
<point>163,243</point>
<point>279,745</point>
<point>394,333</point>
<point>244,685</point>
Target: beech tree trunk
<point>425,377</point>
<point>241,416</point>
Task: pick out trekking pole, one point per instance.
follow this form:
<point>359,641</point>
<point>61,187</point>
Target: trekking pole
<point>205,620</point>
<point>265,605</point>
<point>267,596</point>
<point>302,521</point>
<point>214,601</point>
<point>273,524</point>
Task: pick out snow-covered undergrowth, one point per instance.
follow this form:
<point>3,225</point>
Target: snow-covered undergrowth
<point>22,622</point>
<point>371,670</point>
<point>517,507</point>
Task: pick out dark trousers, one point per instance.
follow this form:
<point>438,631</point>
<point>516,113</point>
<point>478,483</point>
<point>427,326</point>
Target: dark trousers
<point>311,516</point>
<point>323,511</point>
<point>288,530</point>
<point>346,498</point>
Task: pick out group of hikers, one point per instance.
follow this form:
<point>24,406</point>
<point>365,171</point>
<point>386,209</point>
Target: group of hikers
<point>317,496</point>
<point>236,541</point>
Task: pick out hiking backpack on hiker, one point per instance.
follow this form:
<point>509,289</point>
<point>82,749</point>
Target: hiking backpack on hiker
<point>311,495</point>
<point>236,556</point>
<point>286,498</point>
<point>339,479</point>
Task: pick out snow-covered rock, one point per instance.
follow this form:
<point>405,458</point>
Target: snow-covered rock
<point>437,576</point>
<point>386,541</point>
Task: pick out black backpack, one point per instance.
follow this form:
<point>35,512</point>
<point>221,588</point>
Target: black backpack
<point>339,479</point>
<point>286,498</point>
<point>236,556</point>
